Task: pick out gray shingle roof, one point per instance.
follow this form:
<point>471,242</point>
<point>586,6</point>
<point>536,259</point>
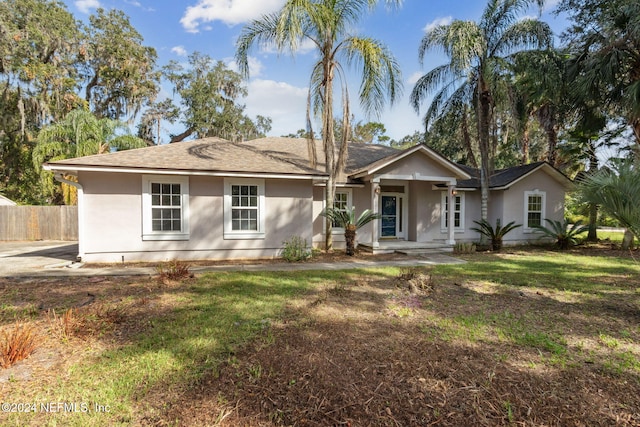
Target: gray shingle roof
<point>272,155</point>
<point>203,155</point>
<point>502,177</point>
<point>296,150</point>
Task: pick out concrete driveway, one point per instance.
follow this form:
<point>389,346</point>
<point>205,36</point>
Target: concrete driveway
<point>20,258</point>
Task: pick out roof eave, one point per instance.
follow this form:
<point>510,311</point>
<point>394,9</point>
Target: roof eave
<point>74,169</point>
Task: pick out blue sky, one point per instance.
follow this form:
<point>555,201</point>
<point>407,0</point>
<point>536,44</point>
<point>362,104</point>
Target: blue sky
<point>278,83</point>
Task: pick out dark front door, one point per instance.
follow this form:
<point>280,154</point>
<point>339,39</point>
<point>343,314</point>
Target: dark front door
<point>389,218</point>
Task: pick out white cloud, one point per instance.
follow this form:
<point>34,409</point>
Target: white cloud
<point>85,6</point>
<point>446,20</point>
<point>255,66</point>
<point>413,78</point>
<point>283,103</point>
<point>179,50</point>
<point>231,12</point>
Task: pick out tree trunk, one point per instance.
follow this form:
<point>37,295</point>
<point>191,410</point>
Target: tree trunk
<point>328,139</point>
<point>548,122</point>
<point>484,98</point>
<point>350,239</point>
<point>627,240</point>
<point>526,143</point>
<point>592,236</point>
<point>467,139</point>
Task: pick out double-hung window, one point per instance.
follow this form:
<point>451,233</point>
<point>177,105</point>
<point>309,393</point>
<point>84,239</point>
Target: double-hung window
<point>165,208</point>
<point>244,209</point>
<point>534,208</point>
<point>341,202</point>
<point>458,212</point>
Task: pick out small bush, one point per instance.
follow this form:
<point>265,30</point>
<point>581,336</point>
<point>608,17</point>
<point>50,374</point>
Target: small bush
<point>63,326</point>
<point>173,270</point>
<point>464,248</point>
<point>17,344</point>
<point>296,249</point>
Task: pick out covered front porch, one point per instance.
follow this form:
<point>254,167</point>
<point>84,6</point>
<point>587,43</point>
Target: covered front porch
<point>411,193</point>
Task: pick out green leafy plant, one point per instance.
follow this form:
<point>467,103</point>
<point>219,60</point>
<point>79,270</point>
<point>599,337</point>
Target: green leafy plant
<point>296,249</point>
<point>346,218</point>
<point>495,235</point>
<point>565,234</point>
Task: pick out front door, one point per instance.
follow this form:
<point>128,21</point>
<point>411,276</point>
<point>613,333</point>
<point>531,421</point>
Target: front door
<point>390,216</point>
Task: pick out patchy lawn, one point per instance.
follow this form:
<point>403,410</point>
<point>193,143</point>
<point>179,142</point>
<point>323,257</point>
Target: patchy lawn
<point>526,338</point>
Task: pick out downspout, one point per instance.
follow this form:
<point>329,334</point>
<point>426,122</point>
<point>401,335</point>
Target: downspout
<point>59,177</point>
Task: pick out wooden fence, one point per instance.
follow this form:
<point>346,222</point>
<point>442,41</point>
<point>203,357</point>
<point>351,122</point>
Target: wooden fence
<point>38,223</point>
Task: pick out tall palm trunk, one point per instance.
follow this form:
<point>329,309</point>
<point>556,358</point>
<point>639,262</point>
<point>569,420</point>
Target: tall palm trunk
<point>547,119</point>
<point>592,235</point>
<point>328,139</point>
<point>467,138</point>
<point>484,98</point>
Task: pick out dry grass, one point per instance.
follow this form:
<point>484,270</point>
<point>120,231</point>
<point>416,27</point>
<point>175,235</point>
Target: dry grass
<point>17,344</point>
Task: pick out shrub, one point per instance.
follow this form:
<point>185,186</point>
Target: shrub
<point>464,248</point>
<point>173,270</point>
<point>295,249</point>
<point>496,234</point>
<point>564,235</point>
<point>346,218</point>
<point>17,344</point>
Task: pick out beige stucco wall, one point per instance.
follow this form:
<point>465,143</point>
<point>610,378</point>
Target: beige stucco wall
<point>113,220</point>
<point>417,162</point>
<point>514,204</point>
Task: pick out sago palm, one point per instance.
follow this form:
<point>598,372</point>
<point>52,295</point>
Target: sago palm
<point>327,25</point>
<point>478,55</point>
<point>346,218</point>
<point>565,234</point>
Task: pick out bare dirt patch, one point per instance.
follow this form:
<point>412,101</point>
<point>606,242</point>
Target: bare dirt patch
<point>374,353</point>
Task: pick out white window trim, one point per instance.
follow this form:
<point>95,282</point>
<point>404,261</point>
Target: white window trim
<point>525,223</point>
<point>349,193</point>
<point>443,213</point>
<point>147,231</point>
<point>244,234</point>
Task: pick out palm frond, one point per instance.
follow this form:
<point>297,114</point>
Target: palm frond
<point>381,74</point>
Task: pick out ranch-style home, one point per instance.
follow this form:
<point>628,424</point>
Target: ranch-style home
<point>213,199</point>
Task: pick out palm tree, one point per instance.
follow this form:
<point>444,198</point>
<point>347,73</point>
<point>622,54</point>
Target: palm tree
<point>327,25</point>
<point>605,45</point>
<point>346,218</point>
<point>79,134</point>
<point>478,53</point>
<point>540,79</point>
<point>617,192</point>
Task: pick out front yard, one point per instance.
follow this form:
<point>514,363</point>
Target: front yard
<point>525,338</point>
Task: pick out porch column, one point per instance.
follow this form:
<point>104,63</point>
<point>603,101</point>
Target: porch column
<point>450,214</point>
<point>375,224</point>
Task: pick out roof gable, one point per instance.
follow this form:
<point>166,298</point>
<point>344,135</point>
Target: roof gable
<point>417,150</point>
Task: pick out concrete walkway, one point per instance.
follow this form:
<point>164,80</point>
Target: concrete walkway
<point>56,259</point>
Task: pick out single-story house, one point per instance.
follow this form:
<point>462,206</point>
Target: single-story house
<point>213,199</point>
